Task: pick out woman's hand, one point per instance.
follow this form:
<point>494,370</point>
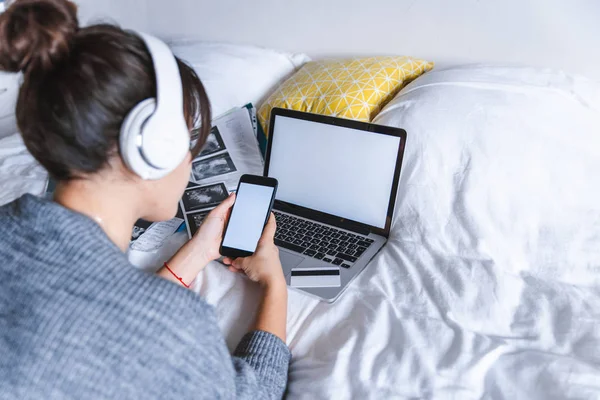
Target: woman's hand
<point>264,265</point>
<point>202,249</point>
<point>207,239</point>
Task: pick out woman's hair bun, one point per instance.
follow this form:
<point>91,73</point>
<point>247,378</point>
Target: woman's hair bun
<point>36,34</point>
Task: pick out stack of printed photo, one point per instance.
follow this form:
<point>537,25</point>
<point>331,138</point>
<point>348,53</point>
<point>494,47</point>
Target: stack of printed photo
<point>198,201</point>
<point>150,236</point>
<point>209,164</point>
<point>231,150</point>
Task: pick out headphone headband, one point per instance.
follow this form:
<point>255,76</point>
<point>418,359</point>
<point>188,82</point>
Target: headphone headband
<point>169,91</point>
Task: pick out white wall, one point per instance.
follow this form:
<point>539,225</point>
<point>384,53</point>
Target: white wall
<point>555,33</point>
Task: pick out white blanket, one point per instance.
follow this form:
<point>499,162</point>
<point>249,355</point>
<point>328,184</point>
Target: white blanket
<point>496,244</point>
<point>19,172</point>
<point>489,285</point>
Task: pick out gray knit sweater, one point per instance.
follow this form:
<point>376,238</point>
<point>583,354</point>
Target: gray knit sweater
<point>78,321</point>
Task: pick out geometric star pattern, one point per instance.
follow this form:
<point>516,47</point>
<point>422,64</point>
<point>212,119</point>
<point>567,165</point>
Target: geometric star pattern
<point>350,88</point>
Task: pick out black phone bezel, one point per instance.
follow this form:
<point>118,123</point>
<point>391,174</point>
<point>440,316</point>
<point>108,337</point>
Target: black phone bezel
<point>254,180</point>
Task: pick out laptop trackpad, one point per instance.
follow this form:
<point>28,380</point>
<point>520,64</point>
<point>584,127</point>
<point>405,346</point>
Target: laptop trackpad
<point>289,260</point>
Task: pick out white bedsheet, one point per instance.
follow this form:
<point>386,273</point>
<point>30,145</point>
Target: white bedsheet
<point>489,285</point>
<point>19,172</point>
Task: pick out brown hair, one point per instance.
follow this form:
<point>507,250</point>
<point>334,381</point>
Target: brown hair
<point>80,83</point>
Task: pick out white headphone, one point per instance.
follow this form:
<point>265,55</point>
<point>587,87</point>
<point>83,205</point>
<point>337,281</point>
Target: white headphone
<point>154,136</point>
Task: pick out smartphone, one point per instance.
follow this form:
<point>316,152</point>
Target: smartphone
<point>249,215</point>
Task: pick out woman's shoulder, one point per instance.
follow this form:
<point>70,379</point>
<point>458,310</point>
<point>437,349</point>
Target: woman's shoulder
<point>114,324</point>
<point>31,215</point>
<point>65,259</point>
<point>81,300</point>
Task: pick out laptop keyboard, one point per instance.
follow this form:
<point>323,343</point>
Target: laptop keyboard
<point>318,241</point>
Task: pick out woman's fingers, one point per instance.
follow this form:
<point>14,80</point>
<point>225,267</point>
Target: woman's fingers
<point>238,263</point>
<point>226,204</point>
<point>222,209</point>
<point>234,265</point>
<point>227,261</point>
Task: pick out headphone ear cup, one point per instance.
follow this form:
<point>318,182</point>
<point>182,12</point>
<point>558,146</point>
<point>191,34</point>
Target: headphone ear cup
<point>154,137</point>
<point>131,140</point>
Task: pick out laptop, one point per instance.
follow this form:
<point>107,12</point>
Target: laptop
<point>338,180</point>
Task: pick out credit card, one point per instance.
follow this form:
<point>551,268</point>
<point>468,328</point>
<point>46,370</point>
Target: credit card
<point>315,277</point>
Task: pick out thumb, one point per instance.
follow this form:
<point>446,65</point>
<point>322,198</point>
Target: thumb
<point>223,208</point>
<point>270,228</point>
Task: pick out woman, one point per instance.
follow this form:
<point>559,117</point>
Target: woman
<point>76,319</point>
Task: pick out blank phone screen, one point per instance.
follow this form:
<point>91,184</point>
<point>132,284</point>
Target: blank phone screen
<point>248,216</point>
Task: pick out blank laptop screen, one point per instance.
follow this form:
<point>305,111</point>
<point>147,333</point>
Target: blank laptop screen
<point>336,170</point>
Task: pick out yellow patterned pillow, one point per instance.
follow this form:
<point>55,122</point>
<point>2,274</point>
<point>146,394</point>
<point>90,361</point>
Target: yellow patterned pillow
<point>354,88</point>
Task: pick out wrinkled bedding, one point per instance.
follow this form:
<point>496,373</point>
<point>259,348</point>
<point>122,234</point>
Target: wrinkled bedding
<point>489,287</point>
<point>19,172</point>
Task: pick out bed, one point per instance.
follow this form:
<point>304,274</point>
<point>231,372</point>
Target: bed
<point>489,287</point>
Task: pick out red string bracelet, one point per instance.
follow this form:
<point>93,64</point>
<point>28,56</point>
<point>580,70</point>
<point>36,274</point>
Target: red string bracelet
<point>175,275</point>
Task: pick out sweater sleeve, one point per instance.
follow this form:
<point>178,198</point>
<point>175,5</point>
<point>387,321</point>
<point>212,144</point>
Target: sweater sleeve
<point>261,362</point>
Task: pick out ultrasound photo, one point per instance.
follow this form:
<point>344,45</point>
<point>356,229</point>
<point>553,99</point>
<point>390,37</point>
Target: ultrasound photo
<point>214,143</point>
<point>139,228</point>
<point>214,166</point>
<point>204,197</point>
<point>195,220</point>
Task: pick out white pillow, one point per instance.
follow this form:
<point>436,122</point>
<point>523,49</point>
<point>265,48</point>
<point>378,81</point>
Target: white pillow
<point>501,165</point>
<point>234,75</point>
<point>9,90</point>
